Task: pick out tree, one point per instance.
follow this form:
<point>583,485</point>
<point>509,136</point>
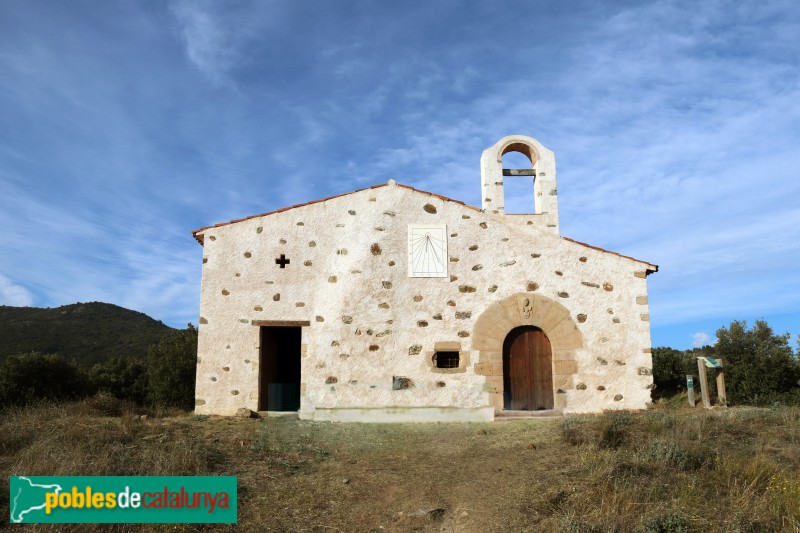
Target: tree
<point>171,366</point>
<point>31,377</point>
<point>758,363</point>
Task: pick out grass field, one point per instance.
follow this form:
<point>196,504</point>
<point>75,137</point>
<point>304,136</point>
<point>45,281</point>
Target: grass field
<point>667,469</point>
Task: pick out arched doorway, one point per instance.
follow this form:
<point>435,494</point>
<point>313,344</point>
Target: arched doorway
<point>527,370</point>
<point>526,309</point>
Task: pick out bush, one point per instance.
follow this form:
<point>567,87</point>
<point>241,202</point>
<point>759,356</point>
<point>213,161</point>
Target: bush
<point>670,368</point>
<point>669,523</point>
<point>673,455</point>
<point>122,378</point>
<point>102,404</point>
<point>791,397</point>
<point>573,429</point>
<point>171,367</point>
<point>613,429</point>
<point>32,377</point>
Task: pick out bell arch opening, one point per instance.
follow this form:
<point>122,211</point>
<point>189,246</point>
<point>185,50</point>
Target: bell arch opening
<point>519,180</point>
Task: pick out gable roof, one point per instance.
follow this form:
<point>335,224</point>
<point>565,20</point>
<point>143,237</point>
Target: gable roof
<point>282,209</point>
<point>197,233</point>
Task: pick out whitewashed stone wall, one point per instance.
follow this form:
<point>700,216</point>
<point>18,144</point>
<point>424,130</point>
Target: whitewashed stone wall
<point>369,321</point>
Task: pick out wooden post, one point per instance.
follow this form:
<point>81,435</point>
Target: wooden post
<point>721,394</point>
<point>701,368</point>
<point>690,389</point>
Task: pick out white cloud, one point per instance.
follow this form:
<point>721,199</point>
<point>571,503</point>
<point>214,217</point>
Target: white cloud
<point>700,339</point>
<point>13,294</point>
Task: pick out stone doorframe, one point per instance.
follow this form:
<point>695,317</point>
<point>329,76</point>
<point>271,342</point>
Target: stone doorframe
<point>526,309</point>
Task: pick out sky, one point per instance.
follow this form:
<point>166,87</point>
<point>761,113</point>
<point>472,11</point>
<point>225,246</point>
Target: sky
<point>125,125</point>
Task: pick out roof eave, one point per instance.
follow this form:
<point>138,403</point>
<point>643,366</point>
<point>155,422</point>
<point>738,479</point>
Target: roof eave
<point>650,268</point>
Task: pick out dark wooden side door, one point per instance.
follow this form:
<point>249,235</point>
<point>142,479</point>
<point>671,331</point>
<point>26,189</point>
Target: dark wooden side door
<point>527,370</point>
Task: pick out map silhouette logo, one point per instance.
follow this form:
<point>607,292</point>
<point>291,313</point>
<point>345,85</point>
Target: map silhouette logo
<point>28,497</point>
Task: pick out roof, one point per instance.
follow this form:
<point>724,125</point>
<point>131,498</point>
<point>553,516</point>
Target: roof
<point>653,268</point>
<point>196,233</point>
<point>282,209</point>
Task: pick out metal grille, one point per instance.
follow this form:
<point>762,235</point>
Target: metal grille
<point>447,359</point>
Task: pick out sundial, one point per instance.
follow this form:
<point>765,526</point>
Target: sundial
<point>427,250</point>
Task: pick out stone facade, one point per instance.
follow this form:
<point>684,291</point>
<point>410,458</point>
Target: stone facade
<point>366,324</point>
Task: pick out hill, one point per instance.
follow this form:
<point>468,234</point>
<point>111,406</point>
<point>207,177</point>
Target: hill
<point>88,332</point>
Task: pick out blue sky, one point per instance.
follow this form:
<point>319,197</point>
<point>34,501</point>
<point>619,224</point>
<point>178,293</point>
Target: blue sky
<point>125,125</point>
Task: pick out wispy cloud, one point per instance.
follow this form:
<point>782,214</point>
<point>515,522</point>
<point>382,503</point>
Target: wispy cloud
<point>207,43</point>
<point>14,294</point>
<point>215,34</point>
<point>674,125</point>
<point>699,339</point>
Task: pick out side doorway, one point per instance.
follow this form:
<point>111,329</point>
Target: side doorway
<point>279,368</point>
<point>527,370</point>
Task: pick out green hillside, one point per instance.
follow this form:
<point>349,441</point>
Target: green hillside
<point>88,332</point>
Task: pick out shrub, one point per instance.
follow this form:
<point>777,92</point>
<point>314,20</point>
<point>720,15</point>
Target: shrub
<point>573,429</point>
<point>673,455</point>
<point>32,377</point>
<point>122,378</point>
<point>171,366</point>
<point>669,523</point>
<point>670,368</point>
<point>103,404</point>
<point>791,397</point>
<point>613,429</point>
<point>573,525</point>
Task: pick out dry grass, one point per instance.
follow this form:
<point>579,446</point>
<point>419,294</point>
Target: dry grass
<point>662,470</point>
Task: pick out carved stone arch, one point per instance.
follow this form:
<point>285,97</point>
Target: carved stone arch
<point>526,309</point>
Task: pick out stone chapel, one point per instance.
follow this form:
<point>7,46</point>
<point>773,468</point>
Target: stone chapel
<point>395,304</point>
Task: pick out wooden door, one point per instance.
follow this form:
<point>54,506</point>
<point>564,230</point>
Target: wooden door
<point>527,370</point>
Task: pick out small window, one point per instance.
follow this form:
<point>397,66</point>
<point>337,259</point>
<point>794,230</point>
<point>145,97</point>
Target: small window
<point>446,359</point>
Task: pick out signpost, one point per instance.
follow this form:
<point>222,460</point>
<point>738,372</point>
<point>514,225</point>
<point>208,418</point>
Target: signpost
<point>716,364</point>
<point>701,369</point>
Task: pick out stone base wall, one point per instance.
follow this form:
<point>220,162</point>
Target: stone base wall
<point>401,414</point>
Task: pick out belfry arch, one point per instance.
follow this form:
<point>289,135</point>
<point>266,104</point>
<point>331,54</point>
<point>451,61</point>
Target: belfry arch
<point>527,309</point>
<point>543,172</point>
